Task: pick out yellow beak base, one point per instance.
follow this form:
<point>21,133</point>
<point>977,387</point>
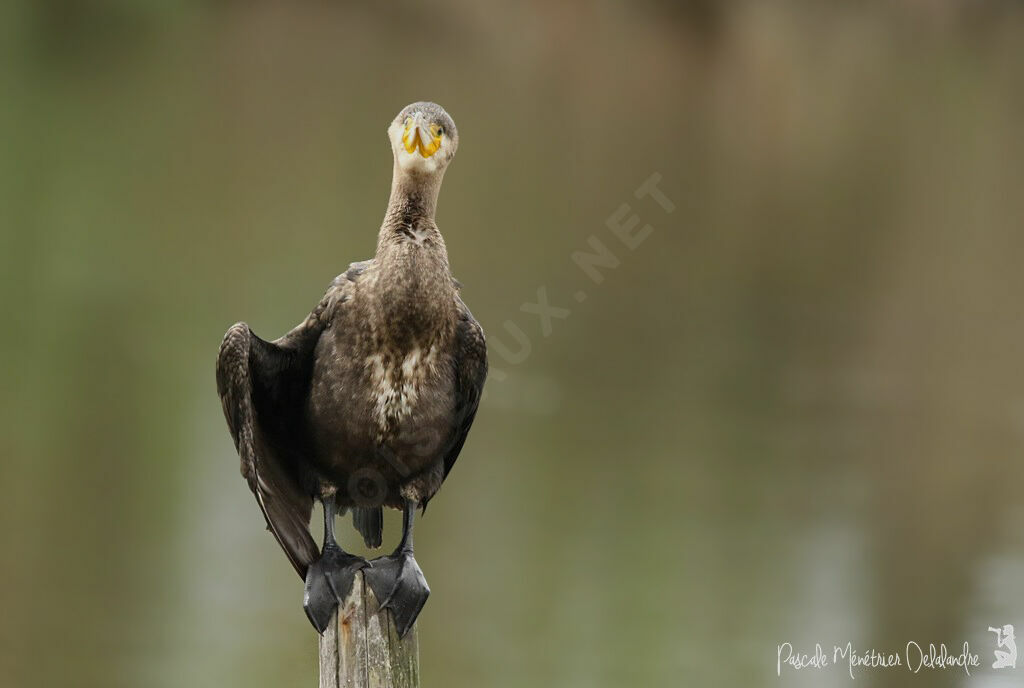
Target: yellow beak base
<point>418,137</point>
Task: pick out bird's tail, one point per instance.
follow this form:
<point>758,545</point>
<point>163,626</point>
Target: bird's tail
<point>369,521</point>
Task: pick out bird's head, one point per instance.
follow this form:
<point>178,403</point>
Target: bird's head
<point>423,139</point>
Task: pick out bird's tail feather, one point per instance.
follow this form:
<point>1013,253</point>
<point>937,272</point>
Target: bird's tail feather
<point>369,521</point>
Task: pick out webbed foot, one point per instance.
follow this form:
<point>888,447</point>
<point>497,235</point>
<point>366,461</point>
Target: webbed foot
<point>328,582</point>
<point>398,584</point>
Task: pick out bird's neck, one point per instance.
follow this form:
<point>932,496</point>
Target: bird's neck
<point>411,206</point>
<point>415,287</point>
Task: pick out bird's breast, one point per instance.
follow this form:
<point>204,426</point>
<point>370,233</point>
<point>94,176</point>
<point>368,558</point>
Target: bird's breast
<point>400,387</point>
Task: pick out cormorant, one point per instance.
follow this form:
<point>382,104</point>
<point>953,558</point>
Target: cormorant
<point>368,402</point>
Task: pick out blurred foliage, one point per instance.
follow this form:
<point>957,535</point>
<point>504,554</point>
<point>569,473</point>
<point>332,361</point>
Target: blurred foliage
<point>794,413</point>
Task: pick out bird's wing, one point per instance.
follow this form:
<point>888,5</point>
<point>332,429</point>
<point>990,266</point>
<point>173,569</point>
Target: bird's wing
<point>357,269</point>
<point>262,386</point>
<point>470,370</point>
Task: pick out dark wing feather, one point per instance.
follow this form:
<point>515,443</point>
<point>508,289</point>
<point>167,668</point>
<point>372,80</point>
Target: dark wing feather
<point>470,362</point>
<point>261,386</point>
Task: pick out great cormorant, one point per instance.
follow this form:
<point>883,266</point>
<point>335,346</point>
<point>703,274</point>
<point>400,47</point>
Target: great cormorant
<point>368,402</point>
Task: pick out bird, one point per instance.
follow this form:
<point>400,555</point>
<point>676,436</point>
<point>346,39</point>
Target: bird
<point>366,404</point>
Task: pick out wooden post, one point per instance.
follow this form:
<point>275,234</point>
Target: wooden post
<point>361,648</point>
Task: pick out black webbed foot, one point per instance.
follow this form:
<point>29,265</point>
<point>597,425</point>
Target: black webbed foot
<point>398,584</point>
<point>328,582</point>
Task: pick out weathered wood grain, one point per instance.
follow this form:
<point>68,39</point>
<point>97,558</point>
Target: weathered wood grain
<point>361,647</point>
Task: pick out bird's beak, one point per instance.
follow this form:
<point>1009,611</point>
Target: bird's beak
<point>418,135</point>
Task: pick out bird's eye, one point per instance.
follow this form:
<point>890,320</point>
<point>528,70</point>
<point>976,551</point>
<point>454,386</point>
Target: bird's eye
<point>440,130</point>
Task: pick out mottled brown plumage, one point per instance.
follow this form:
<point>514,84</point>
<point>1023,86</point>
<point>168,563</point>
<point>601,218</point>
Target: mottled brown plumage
<point>368,402</point>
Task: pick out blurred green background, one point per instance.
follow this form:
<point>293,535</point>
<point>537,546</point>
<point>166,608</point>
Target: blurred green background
<point>794,413</point>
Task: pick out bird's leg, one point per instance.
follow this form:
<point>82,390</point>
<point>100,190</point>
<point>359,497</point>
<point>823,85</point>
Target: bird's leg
<point>329,580</point>
<point>397,581</point>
